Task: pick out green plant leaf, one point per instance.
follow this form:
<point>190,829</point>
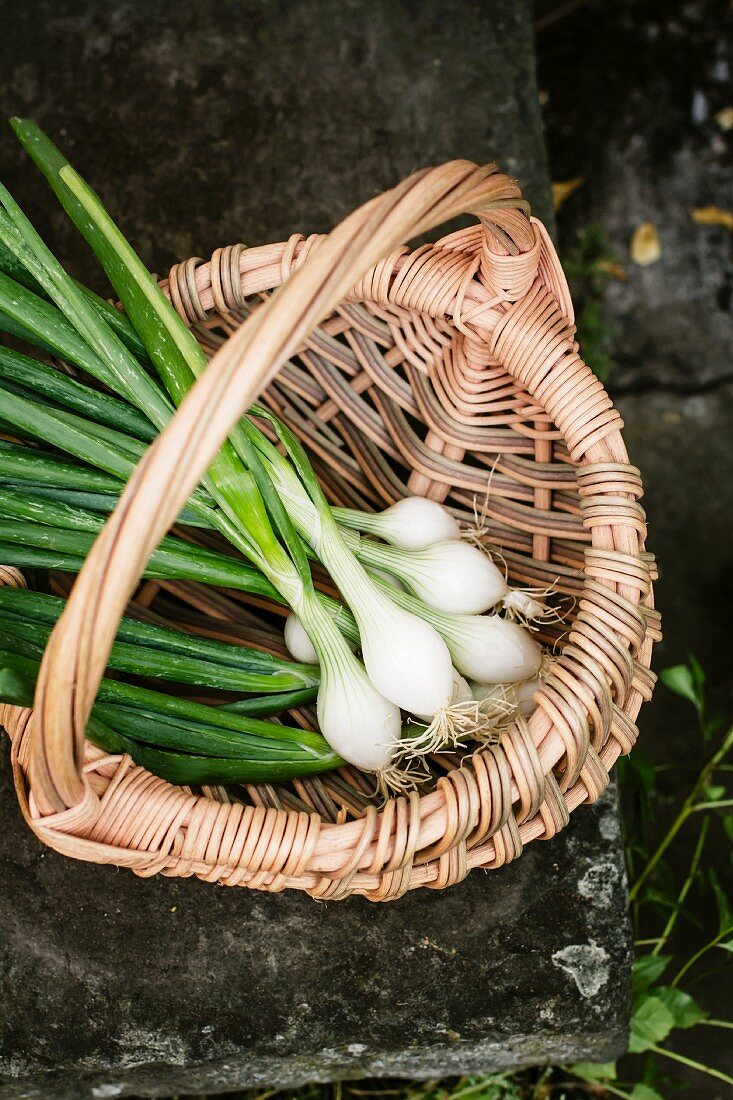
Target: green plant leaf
<point>10,265</point>
<point>681,681</point>
<point>698,675</point>
<point>647,970</point>
<point>56,387</point>
<point>595,1071</point>
<point>727,945</point>
<point>725,914</point>
<point>727,820</point>
<point>660,898</point>
<point>645,1092</point>
<point>651,1023</point>
<point>684,1009</point>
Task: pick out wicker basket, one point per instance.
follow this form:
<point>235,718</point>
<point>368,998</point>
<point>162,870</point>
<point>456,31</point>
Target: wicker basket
<point>424,371</point>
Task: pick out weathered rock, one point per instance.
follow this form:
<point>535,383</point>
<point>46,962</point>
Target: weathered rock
<point>672,320</point>
<point>112,986</point>
<point>202,125</point>
<point>688,478</point>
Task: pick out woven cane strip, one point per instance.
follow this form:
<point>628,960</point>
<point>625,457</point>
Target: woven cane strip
<point>472,340</point>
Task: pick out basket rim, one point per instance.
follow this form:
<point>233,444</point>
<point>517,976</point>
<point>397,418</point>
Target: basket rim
<point>478,815</point>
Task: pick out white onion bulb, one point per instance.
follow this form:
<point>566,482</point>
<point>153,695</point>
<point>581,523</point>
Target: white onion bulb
<point>405,657</point>
<point>412,523</point>
<point>490,649</point>
<point>519,696</point>
<point>354,717</point>
<point>358,723</point>
<point>461,694</point>
<point>518,600</point>
<point>298,644</point>
<point>525,691</point>
<point>450,575</point>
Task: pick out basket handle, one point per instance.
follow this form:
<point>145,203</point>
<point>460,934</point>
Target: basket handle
<point>77,651</point>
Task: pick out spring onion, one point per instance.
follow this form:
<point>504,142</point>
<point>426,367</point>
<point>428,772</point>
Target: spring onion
<point>413,523</point>
<point>345,689</point>
<point>300,647</point>
<point>404,656</point>
<point>201,736</point>
<point>449,575</point>
<point>414,602</point>
<point>146,649</point>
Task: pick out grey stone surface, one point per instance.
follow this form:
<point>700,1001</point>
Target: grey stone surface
<point>653,149</point>
<point>113,986</point>
<point>687,463</point>
<point>202,124</point>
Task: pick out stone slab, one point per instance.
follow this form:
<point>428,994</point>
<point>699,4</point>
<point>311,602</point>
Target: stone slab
<point>201,125</point>
<point>113,986</point>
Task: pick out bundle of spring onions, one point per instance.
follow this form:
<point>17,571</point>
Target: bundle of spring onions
<point>427,647</point>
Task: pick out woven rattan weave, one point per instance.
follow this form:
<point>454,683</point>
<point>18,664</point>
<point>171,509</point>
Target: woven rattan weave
<point>451,371</point>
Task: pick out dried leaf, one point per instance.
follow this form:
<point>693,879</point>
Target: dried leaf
<point>724,118</point>
<point>712,215</point>
<point>645,246</point>
<point>613,269</point>
<point>561,190</point>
